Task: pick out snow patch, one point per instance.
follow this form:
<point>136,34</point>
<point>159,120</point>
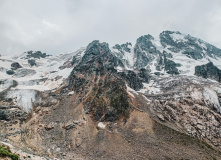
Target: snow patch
<point>146,98</point>
<point>119,69</point>
<point>5,84</point>
<point>130,57</point>
<point>131,91</point>
<point>101,125</point>
<point>157,44</point>
<point>150,88</point>
<point>131,94</point>
<point>187,64</point>
<point>152,66</point>
<point>216,62</point>
<point>178,37</point>
<point>211,98</point>
<point>23,98</point>
<point>71,93</point>
<point>196,94</point>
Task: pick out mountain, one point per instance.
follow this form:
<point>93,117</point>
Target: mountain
<point>157,99</point>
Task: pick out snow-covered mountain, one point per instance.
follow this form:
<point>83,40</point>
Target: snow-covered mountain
<point>30,72</point>
<point>172,53</point>
<point>40,73</point>
<point>139,94</point>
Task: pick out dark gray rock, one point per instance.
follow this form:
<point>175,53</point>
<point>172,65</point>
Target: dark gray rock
<point>208,71</point>
<point>10,72</point>
<point>16,65</point>
<point>8,114</point>
<point>123,47</point>
<point>132,79</point>
<point>171,66</point>
<point>144,51</point>
<point>32,62</point>
<point>36,54</point>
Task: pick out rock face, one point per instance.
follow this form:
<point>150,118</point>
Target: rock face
<point>171,66</point>
<point>144,51</point>
<point>9,114</point>
<point>96,75</point>
<point>208,71</point>
<point>188,104</point>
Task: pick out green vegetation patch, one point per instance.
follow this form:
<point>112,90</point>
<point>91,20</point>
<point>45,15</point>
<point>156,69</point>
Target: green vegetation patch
<point>6,152</point>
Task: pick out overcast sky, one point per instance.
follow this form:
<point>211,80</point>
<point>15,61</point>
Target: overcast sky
<point>58,26</point>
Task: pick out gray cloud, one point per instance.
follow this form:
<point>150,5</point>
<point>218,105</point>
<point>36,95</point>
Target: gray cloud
<point>56,26</point>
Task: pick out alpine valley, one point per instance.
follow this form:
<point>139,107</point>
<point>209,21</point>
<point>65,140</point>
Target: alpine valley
<point>156,99</point>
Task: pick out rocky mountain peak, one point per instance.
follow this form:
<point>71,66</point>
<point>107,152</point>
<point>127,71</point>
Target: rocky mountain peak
<point>192,47</point>
<point>144,51</point>
<point>126,47</point>
<point>95,74</point>
<point>145,38</point>
<point>98,75</point>
<point>97,48</point>
<point>99,55</point>
<point>167,38</point>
